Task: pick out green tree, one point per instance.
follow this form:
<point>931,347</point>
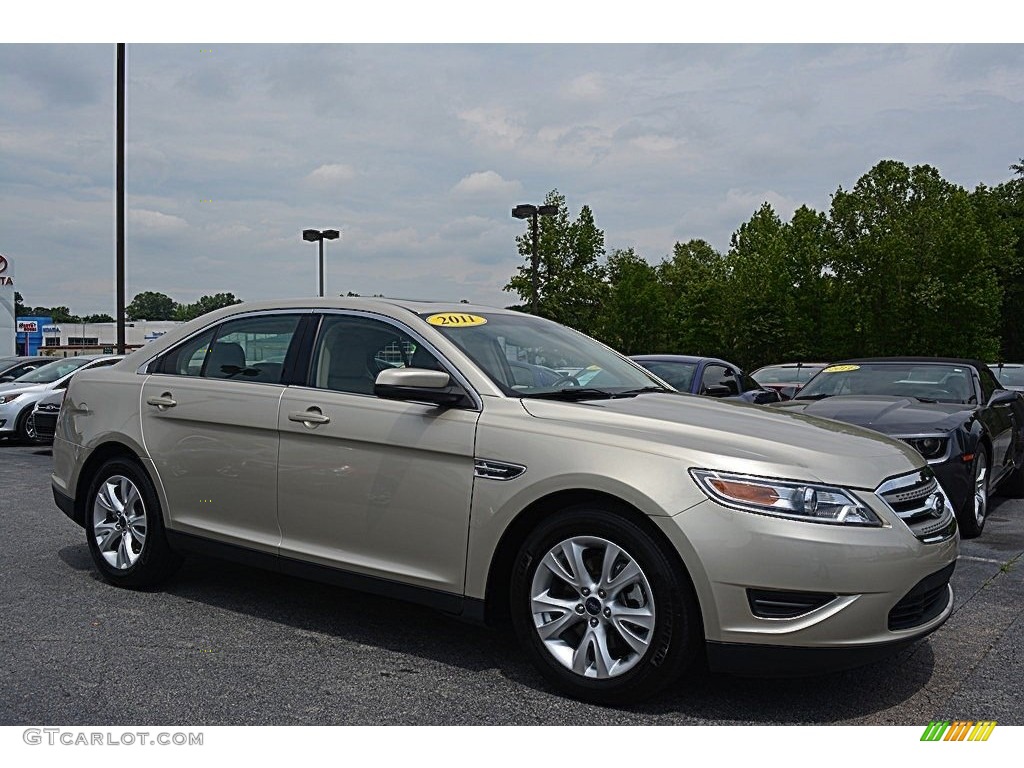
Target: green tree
<point>100,318</point>
<point>695,282</point>
<point>760,300</point>
<point>205,304</point>
<point>150,305</point>
<point>60,315</point>
<point>916,266</point>
<point>632,319</point>
<point>571,273</point>
<point>19,305</point>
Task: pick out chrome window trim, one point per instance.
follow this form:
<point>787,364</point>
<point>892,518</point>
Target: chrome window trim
<point>144,367</point>
<point>448,366</point>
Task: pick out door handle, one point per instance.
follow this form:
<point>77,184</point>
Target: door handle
<point>310,418</point>
<point>163,402</point>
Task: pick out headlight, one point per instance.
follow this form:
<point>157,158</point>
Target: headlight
<point>785,498</point>
<point>4,399</point>
<point>932,447</point>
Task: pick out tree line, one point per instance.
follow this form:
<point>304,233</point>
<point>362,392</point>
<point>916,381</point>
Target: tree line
<point>148,305</point>
<point>904,263</point>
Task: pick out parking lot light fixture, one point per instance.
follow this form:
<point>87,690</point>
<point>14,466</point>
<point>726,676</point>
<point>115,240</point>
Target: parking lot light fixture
<point>532,212</point>
<point>318,236</point>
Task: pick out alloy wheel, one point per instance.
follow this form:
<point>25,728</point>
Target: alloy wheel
<point>592,607</point>
<point>980,487</point>
<point>119,522</point>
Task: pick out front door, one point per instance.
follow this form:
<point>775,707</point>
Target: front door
<point>373,486</point>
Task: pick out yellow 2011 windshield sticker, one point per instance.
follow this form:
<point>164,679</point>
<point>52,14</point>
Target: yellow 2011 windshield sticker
<point>456,320</point>
<point>841,368</point>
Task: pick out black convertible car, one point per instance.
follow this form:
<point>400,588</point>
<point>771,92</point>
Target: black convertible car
<point>954,412</point>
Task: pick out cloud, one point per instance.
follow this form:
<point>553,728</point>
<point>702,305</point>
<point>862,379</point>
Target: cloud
<point>155,222</point>
<point>331,175</point>
<point>492,125</point>
<point>486,184</point>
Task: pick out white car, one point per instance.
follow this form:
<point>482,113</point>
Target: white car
<point>19,397</point>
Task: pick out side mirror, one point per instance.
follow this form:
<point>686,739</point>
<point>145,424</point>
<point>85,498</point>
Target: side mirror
<point>418,385</point>
<point>1003,396</point>
<point>717,390</point>
<point>767,396</point>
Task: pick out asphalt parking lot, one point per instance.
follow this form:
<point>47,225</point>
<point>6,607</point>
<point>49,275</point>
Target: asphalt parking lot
<point>229,645</point>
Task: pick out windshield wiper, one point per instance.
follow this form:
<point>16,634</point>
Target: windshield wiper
<point>575,393</point>
<point>641,391</point>
<point>924,399</point>
<point>819,396</point>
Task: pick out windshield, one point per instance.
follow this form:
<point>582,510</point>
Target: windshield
<point>46,374</point>
<point>786,374</point>
<point>1009,376</point>
<point>528,356</point>
<point>926,382</point>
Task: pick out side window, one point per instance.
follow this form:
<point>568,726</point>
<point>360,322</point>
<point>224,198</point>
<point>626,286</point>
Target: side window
<point>719,376</point>
<point>989,384</point>
<point>247,349</point>
<point>350,351</point>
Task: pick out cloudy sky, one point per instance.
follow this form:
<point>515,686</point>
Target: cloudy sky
<point>418,152</point>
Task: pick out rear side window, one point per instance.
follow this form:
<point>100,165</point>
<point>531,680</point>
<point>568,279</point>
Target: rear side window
<point>247,349</point>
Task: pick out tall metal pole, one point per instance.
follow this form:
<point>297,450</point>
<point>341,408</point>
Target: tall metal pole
<point>119,195</point>
<point>321,267</point>
<point>536,264</point>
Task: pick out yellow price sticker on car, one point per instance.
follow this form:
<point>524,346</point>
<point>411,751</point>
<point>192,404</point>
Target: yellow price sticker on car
<point>841,368</point>
<point>456,320</point>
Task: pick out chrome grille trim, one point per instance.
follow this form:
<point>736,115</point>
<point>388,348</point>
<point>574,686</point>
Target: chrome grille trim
<point>919,501</point>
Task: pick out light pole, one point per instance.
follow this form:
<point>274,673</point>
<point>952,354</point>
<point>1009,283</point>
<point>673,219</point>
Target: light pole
<point>316,235</point>
<point>527,211</point>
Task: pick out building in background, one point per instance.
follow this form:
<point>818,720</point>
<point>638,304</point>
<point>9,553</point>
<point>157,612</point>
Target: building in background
<point>74,339</point>
<point>7,320</point>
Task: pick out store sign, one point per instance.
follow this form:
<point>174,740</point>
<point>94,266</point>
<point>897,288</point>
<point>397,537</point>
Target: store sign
<point>51,329</point>
<point>28,326</point>
<point>5,278</point>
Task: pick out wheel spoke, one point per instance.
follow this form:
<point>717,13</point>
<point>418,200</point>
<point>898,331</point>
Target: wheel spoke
<point>626,625</point>
<point>574,554</point>
<point>131,499</point>
<point>123,558</point>
<point>628,575</point>
<point>556,627</point>
<point>556,566</point>
<point>109,533</point>
<point>611,554</point>
<point>104,500</point>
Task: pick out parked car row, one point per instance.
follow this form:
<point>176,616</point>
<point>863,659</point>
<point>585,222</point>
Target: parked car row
<point>496,465</point>
<point>37,379</point>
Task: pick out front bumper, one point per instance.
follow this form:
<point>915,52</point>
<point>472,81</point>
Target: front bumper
<point>863,574</point>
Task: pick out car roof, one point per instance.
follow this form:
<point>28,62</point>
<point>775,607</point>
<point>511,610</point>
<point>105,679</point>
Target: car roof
<point>1006,365</point>
<point>915,360</point>
<point>679,359</point>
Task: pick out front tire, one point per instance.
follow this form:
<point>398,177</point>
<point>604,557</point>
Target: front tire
<point>974,512</point>
<point>125,529</point>
<point>602,610</point>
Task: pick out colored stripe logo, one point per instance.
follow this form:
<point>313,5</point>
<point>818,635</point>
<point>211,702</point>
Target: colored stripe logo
<point>958,730</point>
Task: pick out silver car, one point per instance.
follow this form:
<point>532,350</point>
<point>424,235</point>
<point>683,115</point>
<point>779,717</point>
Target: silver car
<point>624,528</point>
<point>19,397</point>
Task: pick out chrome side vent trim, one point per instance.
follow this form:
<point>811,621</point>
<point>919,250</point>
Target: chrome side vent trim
<point>497,470</point>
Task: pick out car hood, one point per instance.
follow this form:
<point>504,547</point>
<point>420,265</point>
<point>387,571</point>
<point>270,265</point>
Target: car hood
<point>13,387</point>
<point>738,437</point>
<point>891,415</point>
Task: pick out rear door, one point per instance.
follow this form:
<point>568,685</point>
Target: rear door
<point>209,423</point>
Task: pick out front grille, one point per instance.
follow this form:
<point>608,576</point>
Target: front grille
<point>924,602</point>
<point>919,501</point>
<point>776,604</point>
<point>45,424</point>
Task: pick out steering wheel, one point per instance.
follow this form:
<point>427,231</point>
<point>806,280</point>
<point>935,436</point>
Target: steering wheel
<point>563,379</point>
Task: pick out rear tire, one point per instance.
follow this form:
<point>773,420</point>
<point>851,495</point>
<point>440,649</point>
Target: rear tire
<point>125,528</point>
<point>604,613</point>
